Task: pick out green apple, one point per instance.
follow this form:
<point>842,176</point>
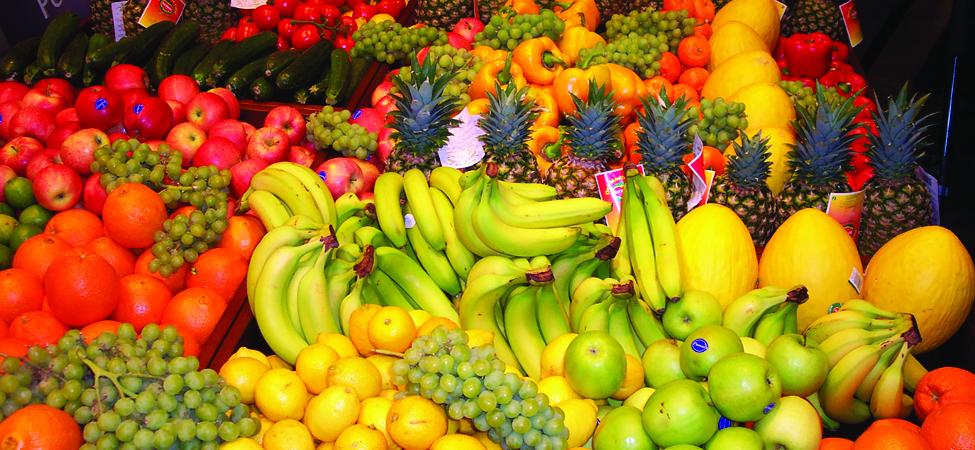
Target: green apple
<point>753,346</point>
<point>595,364</point>
<point>792,425</point>
<point>680,412</point>
<point>692,311</point>
<point>683,447</point>
<point>661,363</point>
<point>622,429</point>
<point>801,363</point>
<point>744,387</point>
<point>706,346</point>
<point>735,438</point>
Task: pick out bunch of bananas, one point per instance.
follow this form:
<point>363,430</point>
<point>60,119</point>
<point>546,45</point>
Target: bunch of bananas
<point>285,189</point>
<point>765,313</point>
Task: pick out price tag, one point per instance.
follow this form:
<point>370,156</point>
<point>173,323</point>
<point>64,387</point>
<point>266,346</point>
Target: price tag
<point>699,184</point>
<point>852,23</point>
<point>162,11</point>
<point>709,180</point>
<point>933,189</point>
<point>781,7</point>
<point>247,4</point>
<point>119,28</point>
<point>846,208</point>
<point>409,221</point>
<point>610,185</point>
<point>856,280</point>
<point>463,148</point>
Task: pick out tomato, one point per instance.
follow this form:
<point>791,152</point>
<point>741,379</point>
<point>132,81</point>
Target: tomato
<point>335,3</point>
<point>286,29</point>
<point>390,7</point>
<point>352,3</point>
<point>344,43</point>
<point>286,7</point>
<point>363,10</point>
<point>308,12</point>
<point>305,36</point>
<point>330,14</point>
<point>266,17</point>
<point>283,43</point>
<point>860,162</point>
<point>245,31</point>
<point>231,33</point>
<point>244,20</point>
<point>349,23</point>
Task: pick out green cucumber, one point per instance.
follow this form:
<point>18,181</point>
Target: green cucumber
<point>256,46</point>
<point>56,37</point>
<point>338,84</point>
<point>301,96</point>
<point>145,43</point>
<point>359,68</point>
<point>20,56</point>
<point>189,59</point>
<point>176,42</point>
<point>317,90</point>
<point>278,61</point>
<point>307,68</point>
<point>263,89</point>
<point>202,69</point>
<point>32,73</point>
<point>73,58</point>
<point>242,79</point>
<point>102,58</point>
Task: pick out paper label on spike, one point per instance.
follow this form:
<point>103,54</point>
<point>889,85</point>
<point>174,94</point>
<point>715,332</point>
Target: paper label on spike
<point>463,148</point>
<point>409,221</point>
<point>781,7</point>
<point>247,4</point>
<point>161,11</point>
<point>709,180</point>
<point>117,22</point>
<point>856,280</point>
<point>846,208</point>
<point>852,23</point>
<point>699,184</point>
<point>933,189</point>
<point>610,185</point>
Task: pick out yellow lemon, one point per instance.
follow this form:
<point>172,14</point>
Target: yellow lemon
<point>243,372</point>
<point>332,411</point>
<point>554,354</point>
<point>379,18</point>
<point>265,425</point>
<point>246,352</point>
<point>312,366</point>
<point>340,343</point>
<point>280,394</point>
<point>639,398</point>
<point>276,362</point>
<point>415,423</point>
<point>419,317</point>
<point>391,329</point>
<point>288,434</point>
<point>357,373</point>
<point>360,437</point>
<point>580,419</point>
<point>557,389</point>
<point>372,413</point>
<point>325,446</point>
<point>488,444</point>
<point>477,337</point>
<point>457,442</point>
<point>241,443</point>
<point>632,380</point>
<point>385,365</point>
<point>753,346</point>
<point>388,393</point>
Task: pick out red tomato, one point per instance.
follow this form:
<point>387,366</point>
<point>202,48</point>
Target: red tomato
<point>305,36</point>
<point>283,43</point>
<point>349,23</point>
<point>390,7</point>
<point>308,12</point>
<point>352,3</point>
<point>286,29</point>
<point>330,14</point>
<point>266,17</point>
<point>245,31</point>
<point>364,10</point>
<point>244,20</point>
<point>335,3</point>
<point>860,162</point>
<point>231,33</point>
<point>344,43</point>
<point>286,7</point>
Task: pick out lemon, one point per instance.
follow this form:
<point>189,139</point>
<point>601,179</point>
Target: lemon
<point>372,413</point>
<point>280,394</point>
<point>277,363</point>
<point>340,343</point>
<point>360,437</point>
<point>243,372</point>
<point>488,444</point>
<point>457,441</point>
<point>385,365</point>
<point>332,411</point>
<point>265,425</point>
<point>19,193</point>
<point>554,354</point>
<point>388,393</point>
<point>580,420</point>
<point>288,434</point>
<point>557,389</point>
<point>325,446</point>
<point>477,337</point>
<point>753,346</point>
<point>357,373</point>
<point>632,380</point>
<point>415,423</point>
<point>312,366</point>
<point>419,317</point>
<point>241,443</point>
<point>246,352</point>
<point>639,398</point>
<point>379,18</point>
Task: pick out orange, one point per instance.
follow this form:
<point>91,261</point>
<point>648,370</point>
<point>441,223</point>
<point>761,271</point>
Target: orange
<point>677,5</point>
<point>81,289</point>
<point>392,329</point>
<point>900,423</point>
<point>132,214</point>
<point>3,329</point>
<point>176,281</point>
<point>687,91</point>
<point>141,301</point>
<point>38,327</point>
<point>20,291</point>
<point>182,211</point>
<point>703,11</point>
<point>359,328</point>
<point>37,253</point>
<point>660,83</point>
<point>242,235</point>
<point>890,438</point>
<point>694,51</point>
<point>941,387</point>
<point>15,347</point>
<point>77,226</point>
<point>833,443</point>
<point>950,427</point>
<point>669,66</point>
<point>122,259</point>
<point>95,329</point>
<point>197,309</point>
<point>704,30</point>
<point>694,77</point>
<point>38,427</point>
<point>435,322</point>
<point>220,269</point>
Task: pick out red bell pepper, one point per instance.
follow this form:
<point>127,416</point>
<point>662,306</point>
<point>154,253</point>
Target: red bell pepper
<point>390,7</point>
<point>808,55</point>
<point>841,51</point>
<point>832,78</point>
<point>868,107</point>
<point>364,10</point>
<point>856,82</point>
<point>779,51</point>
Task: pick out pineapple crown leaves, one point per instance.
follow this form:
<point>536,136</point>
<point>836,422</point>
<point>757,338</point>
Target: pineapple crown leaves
<point>899,138</point>
<point>821,154</point>
<point>749,167</point>
<point>423,119</point>
<point>507,123</point>
<point>594,128</point>
<point>663,138</point>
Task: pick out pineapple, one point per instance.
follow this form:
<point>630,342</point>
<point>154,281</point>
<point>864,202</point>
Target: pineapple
<point>444,14</point>
<point>743,188</point>
<point>214,17</point>
<point>895,199</point>
<point>488,8</point>
<point>592,136</point>
<point>821,155</point>
<point>507,130</point>
<point>662,142</point>
<point>101,17</point>
<point>131,13</point>
<point>422,119</point>
<point>808,16</point>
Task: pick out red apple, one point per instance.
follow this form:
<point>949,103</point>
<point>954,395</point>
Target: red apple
<point>289,120</point>
<point>6,173</point>
<point>228,96</point>
<point>367,196</point>
<point>241,173</point>
<point>126,76</point>
<point>231,129</point>
<point>32,121</point>
<point>187,138</point>
<point>457,40</point>
<point>7,111</point>
<point>269,144</point>
<point>219,152</point>
<point>133,96</point>
<point>381,91</point>
<point>369,172</point>
<point>386,105</point>
<point>150,119</point>
<point>66,115</point>
<point>248,129</point>
<point>49,99</point>
<point>57,187</point>
<point>468,27</point>
<point>370,118</point>
<point>93,194</point>
<point>41,160</point>
<point>180,88</point>
<point>342,176</point>
<point>12,90</point>
<point>58,85</point>
<point>382,152</point>
<point>117,135</point>
<point>99,107</point>
<point>206,109</point>
<point>18,152</point>
<point>301,155</point>
<point>179,111</point>
<point>60,133</point>
<point>78,149</point>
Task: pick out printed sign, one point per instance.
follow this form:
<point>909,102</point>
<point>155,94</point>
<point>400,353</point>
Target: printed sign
<point>781,7</point>
<point>161,11</point>
<point>699,183</point>
<point>846,208</point>
<point>852,23</point>
<point>611,190</point>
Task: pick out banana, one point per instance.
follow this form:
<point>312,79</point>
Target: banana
<point>461,259</point>
<point>467,203</point>
<point>841,383</point>
<point>620,264</point>
<point>619,327</point>
<point>772,325</point>
<point>489,280</point>
<point>564,264</point>
<point>388,194</point>
<point>415,282</point>
<point>346,206</point>
<point>350,252</point>
<point>339,285</point>
<point>349,304</point>
<point>647,326</point>
<point>522,212</point>
<point>666,244</point>
<point>290,190</point>
<point>585,270</point>
<point>596,317</point>
<point>447,180</point>
<point>305,265</point>
<point>865,389</point>
<point>640,248</point>
<point>418,196</point>
<point>913,371</point>
<point>283,236</point>
<point>521,322</point>
<point>468,178</point>
<point>500,265</point>
<point>743,313</point>
<point>269,208</point>
<point>830,324</point>
<point>591,291</point>
<point>552,320</point>
<point>390,294</point>
<point>370,235</point>
<point>887,398</point>
<point>346,231</point>
<point>315,313</point>
<point>303,222</point>
<point>434,262</point>
<point>312,181</point>
<point>828,423</point>
<point>843,342</point>
<point>534,191</point>
<point>869,309</point>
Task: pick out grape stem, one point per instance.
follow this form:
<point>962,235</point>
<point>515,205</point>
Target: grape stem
<point>98,372</point>
<point>24,360</point>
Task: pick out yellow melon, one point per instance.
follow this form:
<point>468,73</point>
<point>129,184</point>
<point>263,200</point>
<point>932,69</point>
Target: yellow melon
<point>926,272</point>
<point>731,39</point>
<point>779,144</point>
<point>719,255</point>
<point>766,105</point>
<point>739,71</point>
<point>761,15</point>
<point>812,249</point>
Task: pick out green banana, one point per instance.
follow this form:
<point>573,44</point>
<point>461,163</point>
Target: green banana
<point>591,291</point>
<point>743,313</point>
<point>666,244</point>
<point>316,315</point>
<point>552,319</point>
<point>283,236</point>
<point>828,423</point>
<point>620,264</point>
<point>534,191</point>
<point>388,195</point>
<point>350,303</point>
<point>304,266</point>
<point>640,249</point>
<point>371,236</point>
<point>596,317</point>
<point>346,231</point>
<point>461,259</point>
<point>521,322</point>
<point>646,325</point>
<point>390,294</point>
<point>424,215</point>
<point>490,279</point>
<point>411,277</point>
<point>772,325</point>
<point>619,327</point>
<point>434,262</point>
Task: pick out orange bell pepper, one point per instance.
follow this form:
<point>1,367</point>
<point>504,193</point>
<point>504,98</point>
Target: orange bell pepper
<point>546,145</point>
<point>625,89</point>
<point>540,60</point>
<point>549,115</point>
<point>578,13</point>
<point>488,54</point>
<point>477,107</point>
<point>522,6</point>
<point>575,39</point>
<point>503,71</point>
<point>575,81</point>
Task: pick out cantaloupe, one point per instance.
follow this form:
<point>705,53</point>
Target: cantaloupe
<point>719,256</point>
<point>779,145</point>
<point>766,105</point>
<point>731,39</point>
<point>739,71</point>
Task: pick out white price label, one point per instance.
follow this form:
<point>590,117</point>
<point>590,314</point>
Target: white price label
<point>856,280</point>
<point>463,148</point>
<point>117,19</point>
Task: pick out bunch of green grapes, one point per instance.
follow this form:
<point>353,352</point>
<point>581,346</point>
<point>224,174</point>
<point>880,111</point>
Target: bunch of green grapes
<point>506,32</point>
<point>638,53</point>
<point>805,97</point>
<point>129,391</point>
<point>331,129</point>
<point>389,41</point>
<point>721,121</point>
<point>185,237</point>
<point>470,383</point>
<point>453,60</point>
<point>129,161</point>
<point>672,25</point>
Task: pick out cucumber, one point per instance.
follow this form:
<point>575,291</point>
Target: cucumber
<point>32,73</point>
<point>307,68</point>
<point>338,84</point>
<point>73,58</point>
<point>301,96</point>
<point>145,43</point>
<point>256,46</point>
<point>242,79</point>
<point>278,61</point>
<point>263,89</point>
<point>189,59</point>
<point>317,90</point>
<point>175,43</point>
<point>56,37</point>
<point>20,56</point>
<point>102,58</point>
<point>202,69</point>
<point>359,68</point>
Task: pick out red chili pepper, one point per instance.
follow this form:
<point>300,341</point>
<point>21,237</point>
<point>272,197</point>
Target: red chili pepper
<point>783,64</point>
<point>841,51</point>
<point>779,52</point>
<point>344,43</point>
<point>808,55</point>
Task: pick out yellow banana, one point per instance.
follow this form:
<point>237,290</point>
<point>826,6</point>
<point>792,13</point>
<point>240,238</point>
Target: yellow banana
<point>424,215</point>
<point>349,304</point>
<point>434,262</point>
<point>447,180</point>
<point>350,252</point>
<point>913,371</point>
<point>646,325</point>
<point>534,191</point>
<point>640,249</point>
<point>316,315</point>
<point>388,194</point>
<point>460,258</point>
<point>346,206</point>
<point>620,264</point>
<point>370,235</point>
<point>743,313</point>
<point>596,317</point>
<point>830,324</point>
<point>551,313</point>
<point>772,325</point>
<point>828,423</point>
<point>869,309</point>
<point>467,204</point>
<point>666,244</point>
<point>390,294</point>
<point>841,383</point>
<point>296,195</point>
<point>591,291</point>
<point>865,389</point>
<point>522,212</point>
<point>272,211</point>
<point>521,322</point>
<point>346,231</point>
<point>409,276</point>
<point>490,278</point>
<point>844,341</point>
<point>324,203</point>
<point>304,266</point>
<point>619,327</point>
<point>284,236</point>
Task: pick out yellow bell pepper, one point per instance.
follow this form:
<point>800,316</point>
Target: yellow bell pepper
<point>578,13</point>
<point>504,71</point>
<point>575,39</point>
<point>576,81</point>
<point>625,89</point>
<point>546,145</point>
<point>522,6</point>
<point>549,114</point>
<point>477,107</point>
<point>488,54</point>
<point>540,60</point>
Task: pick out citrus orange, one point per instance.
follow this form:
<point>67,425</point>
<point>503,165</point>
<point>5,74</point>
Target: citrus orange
<point>359,328</point>
<point>191,347</point>
<point>694,51</point>
<point>832,443</point>
<point>197,309</point>
<point>20,291</point>
<point>359,374</point>
<point>95,329</point>
<point>37,253</point>
<point>132,214</point>
<point>694,77</point>
<point>704,30</point>
<point>941,387</point>
<point>38,327</point>
<point>81,289</point>
<point>182,211</point>
<point>220,269</point>
<point>950,427</point>
<point>669,66</point>
<point>435,322</point>
<point>176,281</point>
<point>142,301</point>
<point>677,5</point>
<point>77,226</point>
<point>122,259</point>
<point>687,91</point>
<point>16,347</point>
<point>391,329</point>
<point>890,438</point>
<point>3,329</point>
<point>660,83</point>
<point>242,235</point>
<point>415,423</point>
<point>45,305</point>
<point>37,427</point>
<point>360,437</point>
<point>703,11</point>
<point>900,423</point>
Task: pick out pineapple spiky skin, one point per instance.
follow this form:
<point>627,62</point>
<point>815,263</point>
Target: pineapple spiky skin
<point>507,130</point>
<point>214,17</point>
<point>743,188</point>
<point>573,176</point>
<point>443,14</point>
<point>101,17</point>
<point>808,16</point>
<point>131,13</point>
<point>662,142</point>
